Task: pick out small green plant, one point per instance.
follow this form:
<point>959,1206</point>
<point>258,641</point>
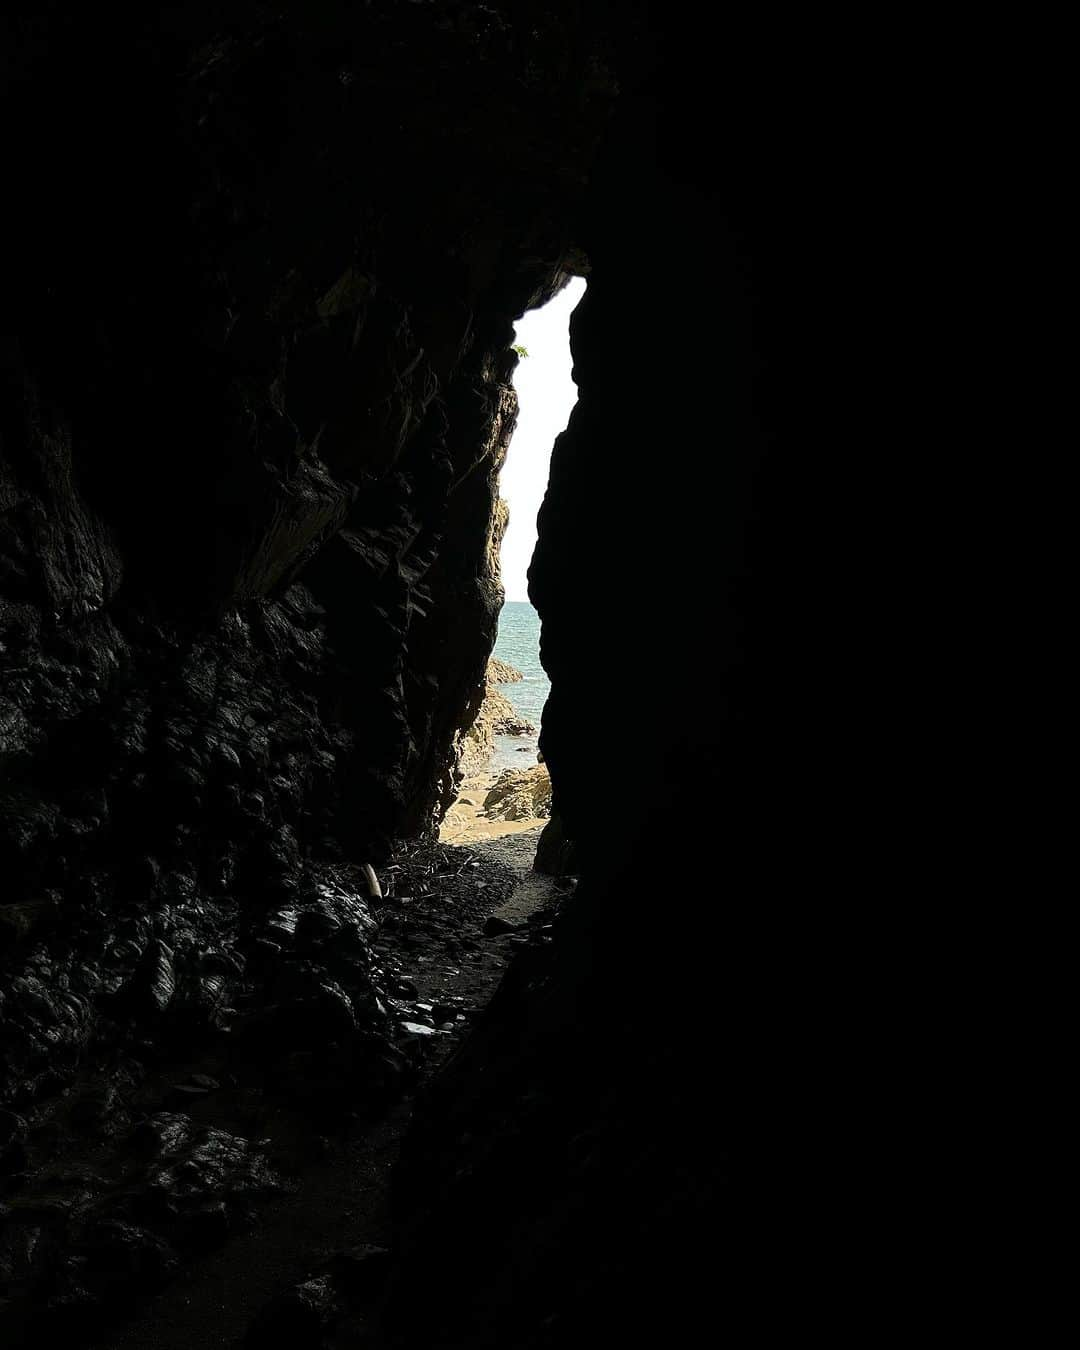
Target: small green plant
<point>521,351</point>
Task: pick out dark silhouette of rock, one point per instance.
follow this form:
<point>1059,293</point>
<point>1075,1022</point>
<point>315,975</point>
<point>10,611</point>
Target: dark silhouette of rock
<point>555,855</point>
<point>255,394</point>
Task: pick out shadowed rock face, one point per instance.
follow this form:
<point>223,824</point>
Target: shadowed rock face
<point>254,373</point>
<point>277,346</point>
<point>584,1131</point>
<point>254,396</point>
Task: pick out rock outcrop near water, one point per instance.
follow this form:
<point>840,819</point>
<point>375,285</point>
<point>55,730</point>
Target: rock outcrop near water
<point>501,672</point>
<point>496,716</point>
<point>519,794</point>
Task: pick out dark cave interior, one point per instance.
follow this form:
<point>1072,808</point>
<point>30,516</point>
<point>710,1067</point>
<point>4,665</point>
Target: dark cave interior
<point>255,358</point>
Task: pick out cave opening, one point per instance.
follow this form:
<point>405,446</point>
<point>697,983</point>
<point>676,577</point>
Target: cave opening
<point>254,1014</point>
<point>506,787</point>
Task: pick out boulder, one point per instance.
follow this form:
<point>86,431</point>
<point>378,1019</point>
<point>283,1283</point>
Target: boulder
<point>502,672</point>
<point>555,852</point>
<point>519,794</point>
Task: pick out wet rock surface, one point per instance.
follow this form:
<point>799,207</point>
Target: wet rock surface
<point>219,1092</point>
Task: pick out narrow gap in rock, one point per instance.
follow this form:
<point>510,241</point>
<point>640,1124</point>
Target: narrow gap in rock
<point>279,1066</point>
<point>506,788</point>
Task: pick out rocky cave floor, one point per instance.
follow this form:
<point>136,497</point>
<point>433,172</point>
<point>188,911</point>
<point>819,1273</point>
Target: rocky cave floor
<point>205,1186</point>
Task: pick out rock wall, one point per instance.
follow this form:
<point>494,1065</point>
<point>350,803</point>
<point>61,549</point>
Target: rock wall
<point>254,371</point>
<point>496,716</point>
<point>586,1130</point>
<point>255,368</point>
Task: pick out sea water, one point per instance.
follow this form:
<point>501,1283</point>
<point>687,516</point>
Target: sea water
<point>518,644</point>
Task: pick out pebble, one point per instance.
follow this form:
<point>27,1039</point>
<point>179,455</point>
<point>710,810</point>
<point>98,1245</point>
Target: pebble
<point>418,1029</point>
<point>496,927</point>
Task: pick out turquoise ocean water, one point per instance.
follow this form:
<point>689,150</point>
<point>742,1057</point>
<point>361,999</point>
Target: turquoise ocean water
<point>518,643</point>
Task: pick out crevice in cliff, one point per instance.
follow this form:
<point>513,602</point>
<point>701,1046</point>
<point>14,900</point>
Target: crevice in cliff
<point>546,394</point>
<point>249,489</point>
<point>504,785</point>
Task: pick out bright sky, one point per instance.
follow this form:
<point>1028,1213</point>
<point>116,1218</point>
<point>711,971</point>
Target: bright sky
<point>546,394</point>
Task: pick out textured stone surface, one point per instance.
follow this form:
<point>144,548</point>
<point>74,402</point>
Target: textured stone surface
<point>496,716</point>
<point>252,412</point>
<point>501,672</point>
<point>517,794</point>
<point>80,1243</point>
<point>255,393</point>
